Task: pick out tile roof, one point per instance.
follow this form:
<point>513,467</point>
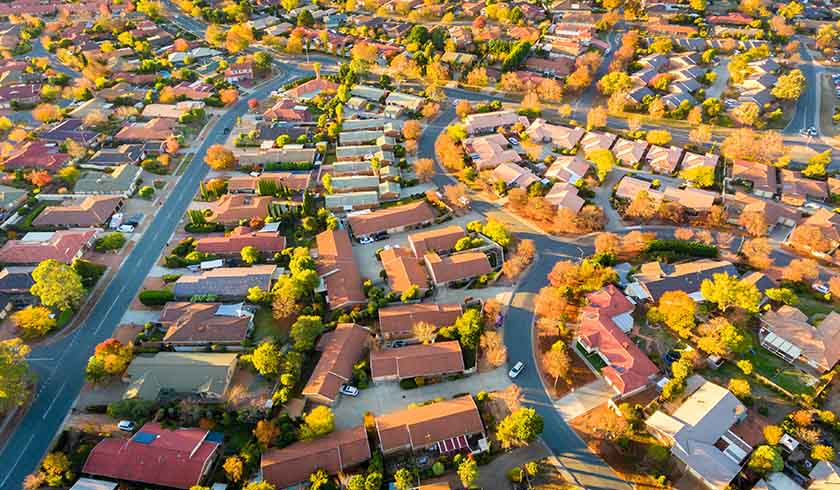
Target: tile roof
<point>597,140</point>
<point>202,323</point>
<point>664,160</point>
<point>174,458</point>
<point>296,181</point>
<point>691,198</point>
<point>491,150</point>
<point>405,215</point>
<point>338,269</point>
<point>762,176</point>
<point>423,426</point>
<point>62,245</point>
<point>475,123</point>
<point>397,321</point>
<point>333,453</point>
<point>435,359</point>
<point>231,208</point>
<point>630,151</point>
<point>630,187</point>
<point>568,168</point>
<point>514,175</point>
<point>796,188</point>
<point>18,280</point>
<point>36,155</point>
<point>157,129</point>
<point>403,269</point>
<point>560,136</point>
<point>457,267</point>
<point>85,212</point>
<point>436,240</point>
<point>564,195</point>
<point>240,237</point>
<point>340,350</point>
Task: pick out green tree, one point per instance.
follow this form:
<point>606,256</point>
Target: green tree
<point>702,177</point>
<point>470,326</point>
<point>766,459</point>
<point>745,366</point>
<point>662,45</point>
<point>305,330</point>
<point>790,85</point>
<point>617,81</point>
<point>727,291</point>
<point>404,479</point>
<point>740,388</point>
<point>14,373</point>
<point>320,421</point>
<point>497,232</point>
<point>604,161</point>
<point>250,255</point>
<point>817,164</point>
<point>266,359</point>
<point>519,428</point>
<point>356,482</point>
<point>57,285</point>
<point>34,321</point>
<point>373,481</point>
<point>468,472</point>
<point>410,293</point>
<point>782,295</point>
<point>56,469</point>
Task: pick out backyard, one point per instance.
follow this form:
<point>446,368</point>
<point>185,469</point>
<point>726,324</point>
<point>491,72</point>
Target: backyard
<point>266,326</point>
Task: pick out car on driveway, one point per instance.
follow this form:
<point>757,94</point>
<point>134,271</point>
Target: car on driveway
<point>821,288</point>
<point>365,240</point>
<point>349,390</point>
<point>516,370</point>
<point>513,141</point>
<point>126,426</point>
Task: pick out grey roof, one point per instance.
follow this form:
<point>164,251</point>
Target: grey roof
<point>181,372</point>
<point>674,279</point>
<point>673,101</point>
<point>379,123</point>
<point>119,181</point>
<point>225,281</point>
<point>639,93</point>
<point>645,75</point>
<point>111,157</point>
<point>760,280</point>
<point>354,182</point>
<point>16,279</point>
<point>825,476</point>
<point>9,197</point>
<point>363,198</point>
<point>760,97</point>
<point>685,86</point>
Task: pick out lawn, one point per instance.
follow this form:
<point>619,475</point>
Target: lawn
<point>812,306</point>
<point>780,372</point>
<point>266,326</point>
<point>593,358</point>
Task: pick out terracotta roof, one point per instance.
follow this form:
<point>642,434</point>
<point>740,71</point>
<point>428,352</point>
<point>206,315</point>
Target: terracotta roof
<point>796,188</point>
<point>231,208</point>
<point>773,211</point>
<point>436,240</point>
<point>819,344</point>
<point>202,323</point>
<point>156,456</point>
<point>630,151</point>
<point>396,321</point>
<point>597,140</point>
<point>157,129</point>
<point>293,180</point>
<point>403,269</point>
<point>338,269</point>
<point>630,187</point>
<point>420,427</point>
<point>827,221</point>
<point>406,215</point>
<point>491,151</point>
<point>239,238</point>
<point>457,267</point>
<point>90,211</point>
<point>514,175</point>
<point>36,155</point>
<point>762,176</point>
<point>691,198</point>
<point>63,246</point>
<point>315,86</point>
<point>610,301</point>
<point>288,110</point>
<point>340,350</point>
<point>568,168</point>
<point>332,453</point>
<point>415,360</point>
<point>561,136</point>
<point>664,160</point>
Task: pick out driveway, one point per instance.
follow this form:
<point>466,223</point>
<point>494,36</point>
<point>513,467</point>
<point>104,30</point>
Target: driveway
<point>584,399</point>
<point>388,397</point>
<point>722,72</point>
<point>493,474</point>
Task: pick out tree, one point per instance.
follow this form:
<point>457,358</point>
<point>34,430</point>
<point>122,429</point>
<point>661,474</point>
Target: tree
<point>404,479</point>
<point>238,37</point>
<point>676,309</point>
<point>520,428</point>
<point>34,321</point>
<point>642,206</point>
<point>56,469</point>
<point>617,81</point>
<point>747,144</point>
<point>659,137</point>
<point>740,388</point>
<point>463,108</point>
<point>790,85</point>
<point>320,421</point>
<point>235,467</point>
<point>757,252</point>
<point>700,176</point>
<point>698,5</point>
<point>265,432</point>
<point>305,330</point>
<point>700,134</point>
<point>607,243</point>
<point>412,129</point>
<point>604,161</point>
<point>424,169</point>
<point>726,291</point>
<point>557,362</point>
<point>745,366</point>
<point>817,165</point>
<point>662,45</point>
<point>747,114</point>
<point>493,348</point>
<point>720,337</point>
<point>14,373</point>
<point>46,113</point>
<point>57,285</point>
<point>250,255</point>
<point>754,223</point>
<point>791,9</point>
<point>478,77</point>
<point>497,232</point>
<point>266,359</point>
<point>468,472</point>
<point>820,452</point>
<point>596,117</point>
<point>782,295</point>
<point>39,178</point>
<point>766,459</point>
<point>801,270</point>
<point>773,434</point>
<point>425,332</point>
<point>469,327</point>
<point>219,158</point>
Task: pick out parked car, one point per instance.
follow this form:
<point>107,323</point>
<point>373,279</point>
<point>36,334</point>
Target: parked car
<point>516,370</point>
<point>379,236</point>
<point>349,390</point>
<point>365,240</point>
<point>513,141</point>
<point>821,288</point>
<point>126,228</point>
<point>126,426</point>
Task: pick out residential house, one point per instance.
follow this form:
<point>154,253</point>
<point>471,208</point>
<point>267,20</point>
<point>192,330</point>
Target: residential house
<point>372,94</point>
<point>197,53</point>
<point>637,95</point>
<point>774,212</point>
<point>403,270</point>
<point>655,62</point>
<point>248,184</point>
<point>115,157</point>
<point>664,160</point>
<point>70,129</point>
<point>11,198</point>
<point>797,189</point>
<point>568,168</point>
<point>156,129</point>
<point>459,267</point>
<point>564,195</point>
<point>630,152</point>
<point>461,36</point>
<point>16,283</point>
<point>36,155</point>
<point>340,350</point>
<point>352,201</point>
<point>240,72</point>
<point>260,158</point>
<point>336,452</point>
<point>488,122</point>
<point>201,375</point>
<point>266,242</point>
<point>392,220</point>
<point>79,213</point>
<point>702,434</point>
<point>695,160</point>
<point>490,151</point>
<point>361,137</point>
<point>121,181</point>
<point>19,93</point>
<point>824,476</point>
<point>180,458</point>
<point>364,152</point>
<point>446,426</point>
<point>417,361</point>
<point>675,100</point>
<point>630,187</point>
<point>656,278</point>
<point>288,110</point>
<point>36,247</point>
<point>391,127</point>
<point>596,140</point>
<point>312,88</point>
<point>396,322</point>
<point>514,176</point>
<point>559,66</point>
<point>828,225</point>
<point>788,334</point>
<point>197,326</point>
<point>406,101</point>
<point>172,111</point>
<point>231,209</point>
<point>353,183</point>
<point>761,177</point>
<point>338,270</point>
<point>560,137</point>
<point>197,90</point>
<point>225,283</point>
<point>439,240</point>
<point>613,305</point>
<point>696,201</point>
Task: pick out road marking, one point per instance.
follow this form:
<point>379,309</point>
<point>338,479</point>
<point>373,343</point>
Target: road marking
<point>36,359</point>
<point>58,393</point>
<point>22,452</point>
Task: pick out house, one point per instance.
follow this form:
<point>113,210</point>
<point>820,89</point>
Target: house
<point>490,151</point>
<point>338,270</point>
<point>514,176</point>
<point>156,129</point>
<point>230,209</point>
<point>197,90</point>
<point>596,140</point>
<point>630,187</point>
<point>797,189</point>
<point>361,137</point>
<point>19,93</point>
<point>334,453</point>
<point>628,370</point>
<point>392,220</point>
<point>674,101</point>
<point>396,322</point>
<point>70,129</point>
<point>694,160</point>
<point>762,178</point>
<point>445,426</point>
<point>195,54</point>
<point>225,282</point>
<point>560,137</point>
<point>568,168</point>
<point>638,95</point>
<point>11,198</point>
<point>36,155</point>
<point>461,36</point>
<point>701,434</point>
<point>655,62</point>
<point>311,89</point>
<point>240,72</point>
<point>266,242</point>
<point>36,247</point>
<point>788,334</point>
<point>172,111</point>
<point>259,158</point>
<point>352,201</point>
<point>180,458</point>
<point>406,101</point>
<point>664,160</point>
<point>196,326</point>
<point>202,375</point>
<point>115,157</point>
<point>391,127</point>
<point>559,66</point>
<point>417,361</point>
<point>403,270</point>
<point>340,349</point>
<point>15,285</point>
<point>655,278</point>
<point>288,110</point>
<point>294,181</point>
<point>827,224</point>
<point>824,476</point>
<point>439,240</point>
<point>80,213</point>
<point>353,183</point>
<point>630,152</point>
<point>774,212</point>
<point>364,152</point>
<point>694,200</point>
<point>565,196</point>
<point>488,122</point>
<point>459,267</point>
<point>121,181</point>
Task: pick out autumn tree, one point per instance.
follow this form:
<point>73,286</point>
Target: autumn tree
<point>754,222</point>
<point>234,467</point>
<point>596,117</point>
<point>320,421</point>
<point>219,158</point>
<point>425,332</point>
<point>110,358</point>
<point>643,206</point>
<point>757,253</point>
<point>726,291</point>
<point>266,359</point>
<point>424,169</point>
<point>659,137</point>
<point>478,77</point>
<point>455,193</point>
<point>14,373</point>
<point>463,108</point>
<point>46,113</point>
<point>789,85</point>
<point>604,161</point>
<point>265,432</point>
<point>520,428</point>
<point>228,95</point>
<point>557,362</point>
<point>700,134</point>
<point>57,285</point>
<point>613,82</point>
<point>747,144</point>
<point>493,348</point>
<point>766,459</point>
<point>238,37</point>
<point>412,129</point>
<point>676,309</point>
<point>720,337</point>
<point>656,108</point>
<point>801,270</point>
<point>607,243</point>
<point>34,321</point>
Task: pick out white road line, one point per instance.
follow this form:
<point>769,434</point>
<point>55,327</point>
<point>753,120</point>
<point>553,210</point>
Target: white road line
<point>58,394</point>
<point>22,452</point>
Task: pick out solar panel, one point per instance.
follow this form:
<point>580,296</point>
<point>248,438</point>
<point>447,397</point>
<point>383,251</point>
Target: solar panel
<point>215,437</point>
<point>144,437</point>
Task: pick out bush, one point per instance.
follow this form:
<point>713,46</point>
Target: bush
<point>167,278</point>
<point>684,247</point>
<point>131,409</point>
<point>515,475</point>
<point>174,262</point>
<point>408,384</point>
<point>156,297</point>
<point>109,242</point>
<point>287,166</point>
<point>88,271</point>
<point>146,192</point>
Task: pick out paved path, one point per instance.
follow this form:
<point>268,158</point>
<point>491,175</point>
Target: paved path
<point>584,399</point>
<point>494,475</point>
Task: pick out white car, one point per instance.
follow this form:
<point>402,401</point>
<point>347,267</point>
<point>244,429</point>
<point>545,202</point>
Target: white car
<point>811,205</point>
<point>349,390</point>
<point>126,228</point>
<point>365,240</point>
<point>516,369</point>
<point>513,141</point>
<point>821,288</point>
<point>126,426</point>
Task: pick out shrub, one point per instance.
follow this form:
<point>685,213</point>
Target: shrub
<point>167,278</point>
<point>146,192</point>
<point>109,242</point>
<point>131,409</point>
<point>515,475</point>
<point>156,297</point>
<point>684,247</point>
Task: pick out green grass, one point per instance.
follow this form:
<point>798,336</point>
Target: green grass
<point>64,318</point>
<point>266,326</point>
<point>593,358</point>
<point>812,306</point>
<point>780,372</point>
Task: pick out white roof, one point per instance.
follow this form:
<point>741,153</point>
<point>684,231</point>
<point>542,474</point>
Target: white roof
<point>782,345</point>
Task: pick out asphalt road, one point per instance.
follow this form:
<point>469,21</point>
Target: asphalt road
<point>60,366</point>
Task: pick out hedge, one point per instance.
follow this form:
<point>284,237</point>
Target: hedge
<point>156,297</point>
<point>288,166</point>
<point>696,249</point>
